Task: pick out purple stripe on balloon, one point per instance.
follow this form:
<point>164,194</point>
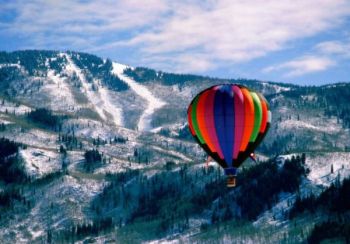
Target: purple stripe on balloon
<point>239,120</point>
<point>224,120</point>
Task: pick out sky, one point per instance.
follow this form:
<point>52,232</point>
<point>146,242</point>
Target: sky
<point>305,42</point>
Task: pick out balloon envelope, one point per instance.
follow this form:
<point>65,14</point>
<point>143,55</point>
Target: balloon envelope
<point>229,121</point>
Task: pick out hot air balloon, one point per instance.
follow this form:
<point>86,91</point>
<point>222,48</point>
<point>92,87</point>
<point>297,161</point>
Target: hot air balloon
<point>229,121</point>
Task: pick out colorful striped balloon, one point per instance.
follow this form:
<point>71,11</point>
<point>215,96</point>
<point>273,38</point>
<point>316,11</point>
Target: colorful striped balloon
<point>229,121</point>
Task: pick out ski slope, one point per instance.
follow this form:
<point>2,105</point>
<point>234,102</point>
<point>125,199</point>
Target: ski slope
<point>99,98</point>
<point>154,103</point>
<point>61,95</point>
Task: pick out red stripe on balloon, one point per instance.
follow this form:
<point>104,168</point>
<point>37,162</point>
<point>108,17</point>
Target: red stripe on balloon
<point>202,125</point>
<point>189,117</point>
<point>264,114</point>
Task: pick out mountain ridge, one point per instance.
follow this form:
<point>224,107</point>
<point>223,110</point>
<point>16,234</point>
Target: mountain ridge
<point>202,76</point>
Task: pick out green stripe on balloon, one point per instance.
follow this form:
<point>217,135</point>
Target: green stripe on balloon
<point>257,116</point>
<point>195,121</point>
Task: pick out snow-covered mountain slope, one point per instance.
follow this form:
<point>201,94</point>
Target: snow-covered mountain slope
<point>327,167</point>
<point>153,103</point>
<point>135,118</point>
<point>59,92</point>
<point>97,95</point>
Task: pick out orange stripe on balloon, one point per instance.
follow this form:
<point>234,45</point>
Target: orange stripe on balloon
<point>248,118</point>
<point>203,127</point>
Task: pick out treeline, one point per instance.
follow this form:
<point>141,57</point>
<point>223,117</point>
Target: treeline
<point>8,196</point>
<point>173,196</point>
<point>94,67</point>
<point>11,167</point>
<point>165,197</point>
<point>70,141</point>
<point>114,192</point>
<point>260,190</point>
<point>2,127</point>
<point>259,187</point>
<point>93,158</point>
<point>47,178</point>
<point>141,74</point>
<point>335,231</point>
<point>34,61</point>
<point>342,112</point>
<point>46,118</point>
<point>185,134</point>
<point>11,171</point>
<point>109,198</point>
<point>78,232</point>
<point>13,198</point>
<point>122,177</point>
<point>142,155</point>
<point>8,148</point>
<point>280,145</point>
<point>7,75</point>
<point>334,201</point>
<point>162,192</point>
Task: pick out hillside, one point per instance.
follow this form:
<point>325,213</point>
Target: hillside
<point>91,149</point>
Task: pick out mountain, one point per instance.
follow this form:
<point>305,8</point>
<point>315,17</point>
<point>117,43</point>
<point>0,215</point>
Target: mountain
<point>96,151</point>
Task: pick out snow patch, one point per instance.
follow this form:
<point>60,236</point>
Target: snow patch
<point>4,120</point>
<point>298,124</point>
<point>36,234</point>
<point>308,97</point>
<point>10,65</point>
<point>321,166</point>
<point>39,162</point>
<point>35,138</point>
<point>157,129</point>
<point>11,108</point>
<point>277,88</point>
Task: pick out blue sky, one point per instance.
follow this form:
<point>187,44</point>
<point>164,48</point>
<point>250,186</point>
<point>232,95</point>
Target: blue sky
<point>301,41</point>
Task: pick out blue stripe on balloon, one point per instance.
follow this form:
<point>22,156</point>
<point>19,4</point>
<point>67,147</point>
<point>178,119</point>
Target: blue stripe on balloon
<point>224,121</point>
